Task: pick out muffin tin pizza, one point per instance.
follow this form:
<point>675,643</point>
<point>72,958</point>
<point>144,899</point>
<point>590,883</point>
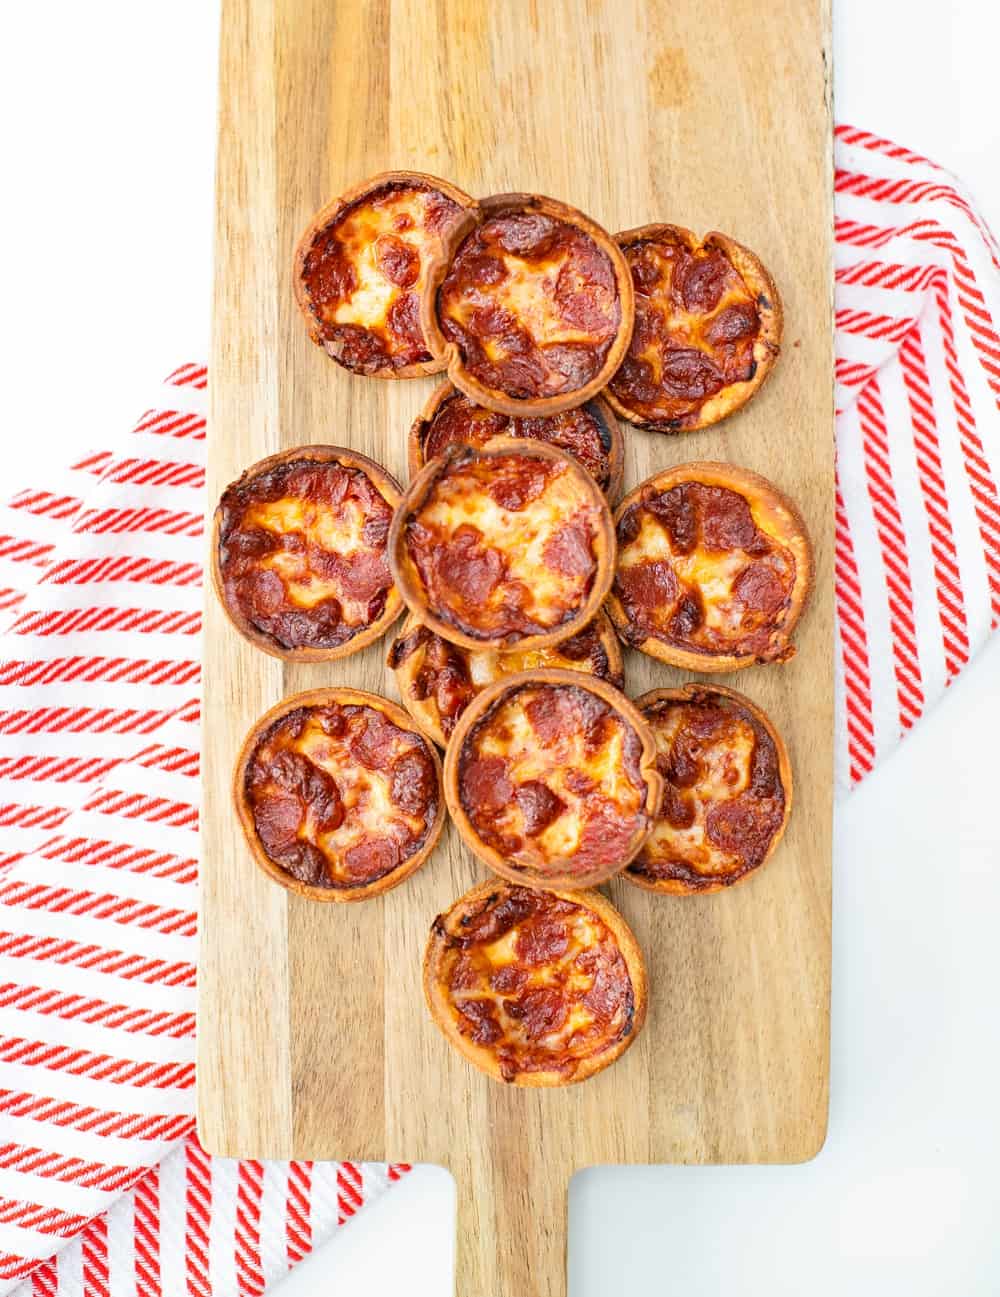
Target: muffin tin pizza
<point>524,593</point>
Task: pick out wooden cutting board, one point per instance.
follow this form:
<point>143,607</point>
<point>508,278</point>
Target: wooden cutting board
<point>313,1040</point>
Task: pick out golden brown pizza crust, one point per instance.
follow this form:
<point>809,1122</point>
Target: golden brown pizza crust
<point>609,830</point>
<point>609,347</point>
<point>326,218</point>
<point>752,807</point>
<point>420,792</point>
<point>778,528</point>
<point>478,567</point>
<point>437,680</point>
<point>616,953</point>
<point>263,471</point>
<point>682,409</point>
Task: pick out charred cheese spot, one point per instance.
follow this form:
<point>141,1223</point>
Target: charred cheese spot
<point>537,980</point>
<point>700,567</point>
<point>340,794</point>
<point>550,777</point>
<point>723,798</point>
<point>532,303</point>
<point>580,433</point>
<point>438,680</point>
<point>505,545</point>
<point>364,274</point>
<point>696,327</point>
<point>302,552</point>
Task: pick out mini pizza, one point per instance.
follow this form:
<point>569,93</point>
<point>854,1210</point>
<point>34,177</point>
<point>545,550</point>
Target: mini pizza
<point>590,433</point>
<point>438,680</point>
<point>727,791</point>
<point>707,333</point>
<point>535,988</point>
<point>360,269</point>
<point>714,568</point>
<point>339,794</point>
<point>299,553</point>
<point>551,779</point>
<point>529,305</point>
<point>508,546</point>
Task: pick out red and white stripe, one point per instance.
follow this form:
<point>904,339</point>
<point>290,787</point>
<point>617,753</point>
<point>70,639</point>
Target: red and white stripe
<point>100,592</point>
<point>99,807</point>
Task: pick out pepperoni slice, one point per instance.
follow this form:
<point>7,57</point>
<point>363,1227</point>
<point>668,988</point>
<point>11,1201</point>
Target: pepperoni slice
<point>570,551</point>
<point>526,234</point>
<point>700,281</point>
<point>277,820</point>
<point>539,805</point>
<point>372,859</point>
<point>481,1016</point>
<point>760,589</point>
<point>650,584</point>
<point>398,261</point>
<point>541,942</point>
<point>518,483</point>
<point>485,784</point>
<point>467,566</point>
<point>413,781</point>
<point>690,374</point>
<point>726,520</point>
<point>540,1011</point>
<point>733,324</point>
<point>742,825</point>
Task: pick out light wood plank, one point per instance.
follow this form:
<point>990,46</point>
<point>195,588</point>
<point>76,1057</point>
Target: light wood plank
<point>313,1039</point>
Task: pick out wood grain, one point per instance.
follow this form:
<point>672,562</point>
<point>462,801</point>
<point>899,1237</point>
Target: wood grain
<point>313,1039</point>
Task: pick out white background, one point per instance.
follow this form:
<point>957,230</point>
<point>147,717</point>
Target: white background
<point>109,129</point>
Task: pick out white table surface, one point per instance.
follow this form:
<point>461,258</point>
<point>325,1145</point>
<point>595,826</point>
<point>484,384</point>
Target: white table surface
<point>108,113</point>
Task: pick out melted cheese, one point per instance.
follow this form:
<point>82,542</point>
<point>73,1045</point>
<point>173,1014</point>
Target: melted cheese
<point>521,536</point>
<point>486,665</point>
<point>528,293</point>
<point>370,810</point>
<point>369,303</point>
<point>335,530</point>
<point>681,328</point>
<point>713,573</point>
<point>724,774</point>
<point>579,1035</point>
<point>509,734</point>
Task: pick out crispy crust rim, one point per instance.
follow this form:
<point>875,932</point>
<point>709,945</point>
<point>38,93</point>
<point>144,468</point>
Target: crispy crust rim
<point>686,693</point>
<point>417,436</point>
<point>796,537</point>
<point>326,216</point>
<point>319,698</point>
<point>425,717</point>
<point>407,578</point>
<point>449,354</point>
<point>482,1057</point>
<point>391,492</point>
<point>647,768</point>
<point>767,347</point>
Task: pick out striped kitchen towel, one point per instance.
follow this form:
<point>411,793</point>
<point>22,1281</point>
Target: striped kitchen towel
<point>103,1187</point>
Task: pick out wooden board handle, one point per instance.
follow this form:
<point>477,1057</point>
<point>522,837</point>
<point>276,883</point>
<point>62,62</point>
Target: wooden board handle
<point>514,1245</point>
